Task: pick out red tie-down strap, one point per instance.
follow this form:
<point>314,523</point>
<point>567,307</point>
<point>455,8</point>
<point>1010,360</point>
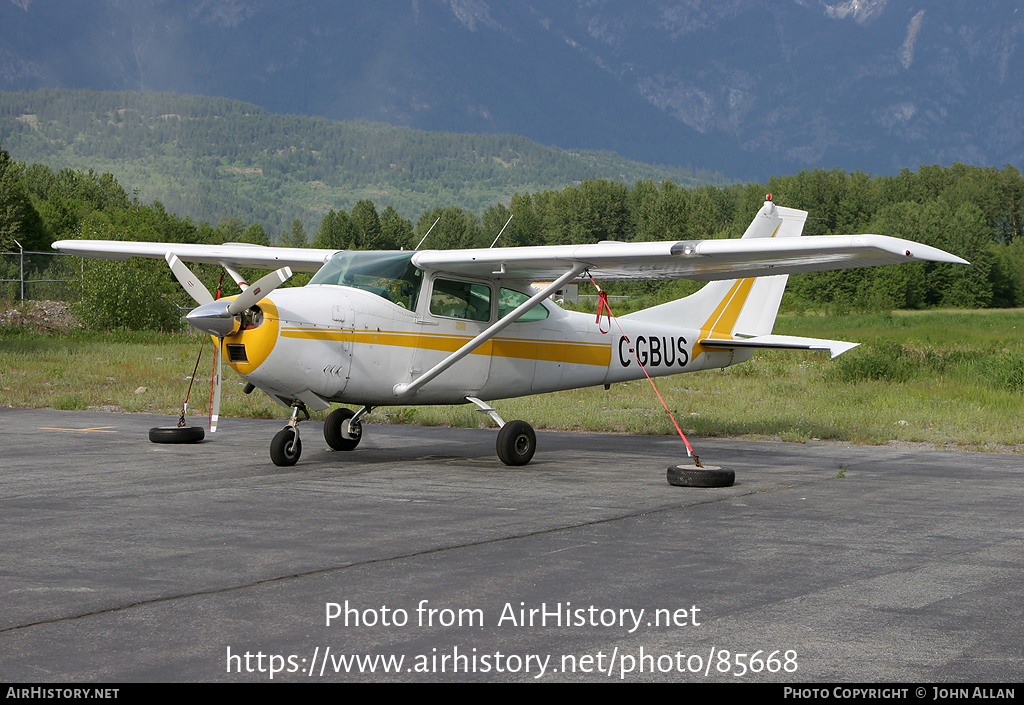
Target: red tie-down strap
<point>604,308</point>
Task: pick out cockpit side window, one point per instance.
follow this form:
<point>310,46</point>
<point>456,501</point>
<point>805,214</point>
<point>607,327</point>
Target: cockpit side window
<point>455,299</point>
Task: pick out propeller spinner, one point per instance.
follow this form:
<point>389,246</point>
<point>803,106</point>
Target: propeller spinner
<point>219,318</point>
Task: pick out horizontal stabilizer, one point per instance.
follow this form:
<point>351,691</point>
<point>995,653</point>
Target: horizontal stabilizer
<point>782,342</point>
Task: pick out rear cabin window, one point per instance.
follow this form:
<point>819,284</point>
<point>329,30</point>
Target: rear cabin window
<point>509,300</point>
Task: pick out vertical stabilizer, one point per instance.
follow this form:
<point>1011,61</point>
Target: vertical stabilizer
<point>738,307</point>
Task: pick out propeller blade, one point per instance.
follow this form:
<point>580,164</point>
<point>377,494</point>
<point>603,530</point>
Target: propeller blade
<point>188,280</point>
<point>215,387</point>
<point>258,290</point>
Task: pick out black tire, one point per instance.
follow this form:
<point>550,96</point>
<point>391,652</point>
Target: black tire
<point>286,448</point>
<point>692,476</point>
<point>516,443</point>
<point>176,434</point>
<point>332,430</point>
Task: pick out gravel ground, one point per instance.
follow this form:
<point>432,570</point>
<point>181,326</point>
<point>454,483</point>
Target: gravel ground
<point>41,316</point>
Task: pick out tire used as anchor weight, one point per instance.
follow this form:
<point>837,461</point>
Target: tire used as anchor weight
<point>286,447</point>
<point>516,443</point>
<point>176,434</point>
<point>693,476</point>
<point>332,430</point>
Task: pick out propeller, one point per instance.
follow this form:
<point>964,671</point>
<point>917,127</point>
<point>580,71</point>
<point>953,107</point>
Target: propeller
<point>218,317</point>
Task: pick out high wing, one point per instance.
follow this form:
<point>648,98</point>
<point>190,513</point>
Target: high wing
<point>700,260</point>
<point>233,255</point>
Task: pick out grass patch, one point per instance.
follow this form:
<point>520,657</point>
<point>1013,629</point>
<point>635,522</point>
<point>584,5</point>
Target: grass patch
<point>70,402</point>
<point>945,377</point>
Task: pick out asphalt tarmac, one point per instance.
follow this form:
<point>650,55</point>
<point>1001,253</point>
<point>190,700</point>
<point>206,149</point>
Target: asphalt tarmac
<point>422,557</point>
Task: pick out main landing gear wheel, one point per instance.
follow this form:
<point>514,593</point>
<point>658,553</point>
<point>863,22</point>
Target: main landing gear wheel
<point>286,447</point>
<point>693,476</point>
<point>335,436</point>
<point>176,434</point>
<point>516,443</point>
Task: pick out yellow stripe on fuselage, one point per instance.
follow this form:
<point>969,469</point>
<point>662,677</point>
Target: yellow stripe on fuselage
<point>522,348</point>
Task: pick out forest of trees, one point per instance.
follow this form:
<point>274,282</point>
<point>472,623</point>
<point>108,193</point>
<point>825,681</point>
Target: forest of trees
<point>973,212</point>
<point>976,213</point>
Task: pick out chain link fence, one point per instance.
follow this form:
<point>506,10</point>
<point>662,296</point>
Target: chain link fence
<point>26,275</point>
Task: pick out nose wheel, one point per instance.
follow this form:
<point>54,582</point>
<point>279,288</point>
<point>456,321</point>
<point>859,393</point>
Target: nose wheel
<point>286,447</point>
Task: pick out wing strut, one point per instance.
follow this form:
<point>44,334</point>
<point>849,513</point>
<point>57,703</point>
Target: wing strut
<point>404,391</point>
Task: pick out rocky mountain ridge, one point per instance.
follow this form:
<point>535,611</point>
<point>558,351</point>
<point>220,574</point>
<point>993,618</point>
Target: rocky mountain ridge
<point>746,87</point>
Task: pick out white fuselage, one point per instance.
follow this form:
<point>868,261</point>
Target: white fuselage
<point>348,345</point>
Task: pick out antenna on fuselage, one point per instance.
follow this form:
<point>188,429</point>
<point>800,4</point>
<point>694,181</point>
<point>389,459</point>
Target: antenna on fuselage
<point>502,229</point>
<point>428,232</point>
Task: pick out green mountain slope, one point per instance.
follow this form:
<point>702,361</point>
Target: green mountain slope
<point>210,158</point>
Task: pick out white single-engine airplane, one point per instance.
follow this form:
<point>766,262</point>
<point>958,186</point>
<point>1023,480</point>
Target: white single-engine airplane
<point>457,326</point>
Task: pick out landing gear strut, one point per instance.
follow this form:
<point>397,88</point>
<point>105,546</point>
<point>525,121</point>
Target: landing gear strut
<point>286,447</point>
<point>517,441</point>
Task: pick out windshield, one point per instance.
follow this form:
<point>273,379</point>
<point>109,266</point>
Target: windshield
<point>389,275</point>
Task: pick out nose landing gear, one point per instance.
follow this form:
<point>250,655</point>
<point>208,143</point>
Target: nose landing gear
<point>286,447</point>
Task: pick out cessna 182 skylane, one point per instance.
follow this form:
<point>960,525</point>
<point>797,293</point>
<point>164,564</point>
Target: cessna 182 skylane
<point>450,327</point>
